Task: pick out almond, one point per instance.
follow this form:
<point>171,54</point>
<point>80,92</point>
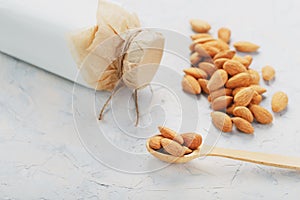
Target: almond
<point>195,72</point>
<point>221,103</point>
<point>172,147</point>
<point>257,98</point>
<point>243,125</point>
<point>242,60</point>
<point>225,54</point>
<point>244,46</point>
<point>219,44</point>
<point>254,76</point>
<point>169,133</point>
<point>190,85</point>
<point>220,62</point>
<point>220,92</point>
<point>279,101</point>
<point>195,58</point>
<point>261,114</point>
<point>259,89</point>
<point>192,140</point>
<point>217,80</point>
<point>243,112</point>
<point>154,142</point>
<point>203,85</point>
<point>240,80</point>
<point>207,67</point>
<point>200,35</point>
<point>200,26</point>
<point>224,34</point>
<point>203,40</point>
<point>221,121</point>
<point>206,50</point>
<point>244,97</point>
<point>268,73</point>
<point>233,67</point>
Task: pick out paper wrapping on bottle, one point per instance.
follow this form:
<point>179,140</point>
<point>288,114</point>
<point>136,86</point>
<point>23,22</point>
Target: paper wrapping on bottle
<point>115,48</point>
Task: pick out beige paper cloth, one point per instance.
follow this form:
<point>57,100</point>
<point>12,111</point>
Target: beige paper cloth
<point>115,48</point>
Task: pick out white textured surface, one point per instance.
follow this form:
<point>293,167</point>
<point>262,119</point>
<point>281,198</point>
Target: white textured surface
<point>41,156</point>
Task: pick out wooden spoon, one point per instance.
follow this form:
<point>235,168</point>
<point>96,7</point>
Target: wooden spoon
<point>247,156</point>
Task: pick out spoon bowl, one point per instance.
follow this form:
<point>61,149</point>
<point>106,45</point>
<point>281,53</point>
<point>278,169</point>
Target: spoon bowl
<point>247,156</point>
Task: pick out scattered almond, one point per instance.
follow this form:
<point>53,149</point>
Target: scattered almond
<point>259,89</point>
<point>261,114</point>
<point>154,142</point>
<point>221,103</point>
<point>279,101</point>
<point>268,73</point>
<point>245,46</point>
<point>195,58</point>
<point>240,80</point>
<point>169,133</point>
<point>224,34</point>
<point>217,80</point>
<point>209,68</point>
<point>219,44</point>
<point>243,112</point>
<point>221,121</point>
<point>242,60</point>
<point>220,92</point>
<point>220,62</point>
<point>200,26</point>
<point>172,147</point>
<point>195,72</point>
<point>244,97</point>
<point>225,54</point>
<point>254,76</point>
<point>243,125</point>
<point>190,85</point>
<point>257,98</point>
<point>233,67</point>
<point>192,140</point>
<point>200,35</point>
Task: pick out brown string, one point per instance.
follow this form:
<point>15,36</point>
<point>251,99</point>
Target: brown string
<point>136,107</point>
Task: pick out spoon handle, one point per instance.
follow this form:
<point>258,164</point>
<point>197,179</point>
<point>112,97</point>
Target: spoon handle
<point>259,158</point>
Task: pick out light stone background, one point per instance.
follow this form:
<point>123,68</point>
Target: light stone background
<point>41,156</point>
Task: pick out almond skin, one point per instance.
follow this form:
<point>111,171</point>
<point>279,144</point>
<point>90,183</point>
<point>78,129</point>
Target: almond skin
<point>207,67</point>
<point>219,44</point>
<point>200,35</point>
<point>169,133</point>
<point>233,67</point>
<point>190,85</point>
<point>261,114</point>
<point>244,97</point>
<point>224,34</point>
<point>220,92</point>
<point>279,101</point>
<point>195,72</point>
<point>259,89</point>
<point>243,125</point>
<point>255,76</point>
<point>192,140</point>
<point>219,63</point>
<point>221,121</point>
<point>225,54</point>
<point>172,147</point>
<point>242,60</point>
<point>243,112</point>
<point>236,90</point>
<point>200,26</point>
<point>221,103</point>
<point>268,73</point>
<point>217,80</point>
<point>244,46</point>
<point>240,80</point>
<point>195,58</point>
<point>154,142</point>
<point>230,109</point>
<point>203,84</point>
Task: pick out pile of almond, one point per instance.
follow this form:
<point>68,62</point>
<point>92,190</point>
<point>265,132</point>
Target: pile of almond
<point>170,142</point>
<point>227,80</point>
